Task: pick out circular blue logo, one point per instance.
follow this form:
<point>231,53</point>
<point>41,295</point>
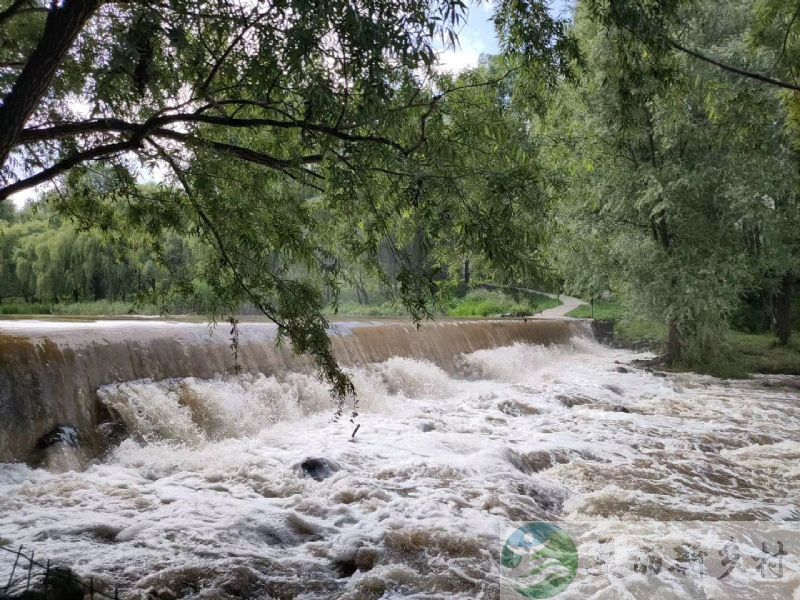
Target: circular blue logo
<point>542,560</point>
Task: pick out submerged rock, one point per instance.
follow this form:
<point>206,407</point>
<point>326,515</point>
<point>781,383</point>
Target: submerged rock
<point>111,434</point>
<point>536,461</point>
<point>541,460</point>
<point>514,408</point>
<point>241,582</point>
<point>345,567</point>
<point>317,468</point>
<point>570,401</point>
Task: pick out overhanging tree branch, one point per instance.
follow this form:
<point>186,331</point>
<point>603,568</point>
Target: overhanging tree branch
<point>268,311</point>
<point>786,35</point>
<point>66,164</point>
<point>107,150</point>
<point>157,127</point>
<point>40,134</point>
<point>731,68</point>
<point>648,31</point>
<point>300,334</point>
<point>62,26</point>
<point>246,154</point>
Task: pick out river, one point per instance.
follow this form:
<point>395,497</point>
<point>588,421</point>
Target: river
<point>207,496</point>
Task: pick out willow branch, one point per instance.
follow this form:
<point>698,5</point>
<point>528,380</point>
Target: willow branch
<point>731,68</point>
<point>66,164</point>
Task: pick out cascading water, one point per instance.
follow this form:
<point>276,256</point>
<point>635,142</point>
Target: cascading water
<point>243,486</point>
<point>50,370</point>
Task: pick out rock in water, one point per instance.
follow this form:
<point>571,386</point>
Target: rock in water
<point>111,433</point>
<point>62,434</point>
<point>59,450</point>
<point>318,468</point>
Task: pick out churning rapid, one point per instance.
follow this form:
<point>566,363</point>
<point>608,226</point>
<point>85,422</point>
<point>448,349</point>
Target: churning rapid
<point>244,487</point>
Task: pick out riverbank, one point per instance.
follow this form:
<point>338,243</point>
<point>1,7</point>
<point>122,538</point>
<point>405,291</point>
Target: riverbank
<point>476,303</point>
<point>753,352</point>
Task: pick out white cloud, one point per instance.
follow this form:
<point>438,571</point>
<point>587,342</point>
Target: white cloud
<point>476,37</point>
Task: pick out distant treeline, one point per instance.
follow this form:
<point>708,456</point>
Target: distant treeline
<point>49,264</point>
<point>45,258</point>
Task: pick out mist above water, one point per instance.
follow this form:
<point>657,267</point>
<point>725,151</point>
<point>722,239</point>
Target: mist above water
<point>206,496</point>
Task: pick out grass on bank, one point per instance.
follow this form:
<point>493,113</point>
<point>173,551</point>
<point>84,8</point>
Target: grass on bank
<point>98,308</point>
<point>626,329</point>
<point>759,353</point>
<point>354,309</point>
<point>753,352</point>
<point>477,303</point>
<point>486,303</point>
<point>610,311</point>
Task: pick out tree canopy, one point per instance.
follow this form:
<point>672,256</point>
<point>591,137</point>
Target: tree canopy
<point>681,180</point>
<point>277,124</point>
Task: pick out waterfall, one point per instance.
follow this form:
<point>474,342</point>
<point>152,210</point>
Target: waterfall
<point>50,372</point>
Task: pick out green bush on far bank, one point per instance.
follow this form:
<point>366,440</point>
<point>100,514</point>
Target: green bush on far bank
<point>354,309</point>
<point>98,308</point>
<point>628,330</point>
<point>610,311</point>
<point>487,303</point>
<point>476,303</point>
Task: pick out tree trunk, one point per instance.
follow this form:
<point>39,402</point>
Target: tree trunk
<point>466,272</point>
<point>673,344</point>
<point>361,294</point>
<point>361,290</point>
<point>63,24</point>
<point>783,310</point>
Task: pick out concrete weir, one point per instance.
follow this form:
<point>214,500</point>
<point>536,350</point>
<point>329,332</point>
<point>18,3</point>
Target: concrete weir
<point>50,370</point>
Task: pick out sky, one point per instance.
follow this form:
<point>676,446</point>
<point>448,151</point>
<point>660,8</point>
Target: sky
<point>476,37</point>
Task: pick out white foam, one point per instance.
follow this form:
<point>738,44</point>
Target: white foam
<point>440,472</point>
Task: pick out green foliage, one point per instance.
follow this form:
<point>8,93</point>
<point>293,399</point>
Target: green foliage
<point>89,309</point>
<point>25,308</point>
<point>299,137</point>
<point>629,328</point>
<point>46,259</point>
<point>476,303</point>
<point>748,353</point>
<point>354,309</point>
<point>678,184</point>
<point>485,303</point>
